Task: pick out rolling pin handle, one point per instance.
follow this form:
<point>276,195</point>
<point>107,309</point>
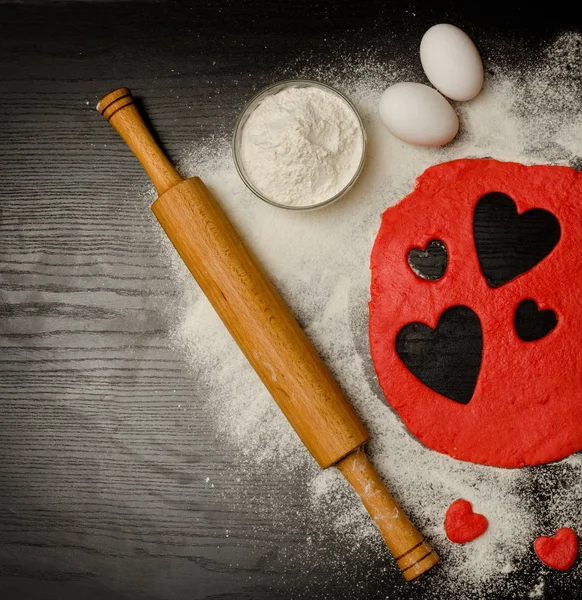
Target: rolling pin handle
<point>119,108</point>
<point>412,552</point>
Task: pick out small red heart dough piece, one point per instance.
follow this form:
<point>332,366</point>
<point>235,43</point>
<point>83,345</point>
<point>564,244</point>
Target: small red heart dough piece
<point>462,524</point>
<point>558,551</point>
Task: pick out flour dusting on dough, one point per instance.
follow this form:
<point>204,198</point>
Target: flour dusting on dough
<point>319,261</point>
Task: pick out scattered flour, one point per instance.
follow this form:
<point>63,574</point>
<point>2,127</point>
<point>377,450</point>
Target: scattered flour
<point>301,146</point>
<point>538,589</point>
<point>320,262</point>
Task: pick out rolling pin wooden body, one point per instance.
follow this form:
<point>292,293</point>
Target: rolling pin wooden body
<point>266,331</point>
<point>259,321</point>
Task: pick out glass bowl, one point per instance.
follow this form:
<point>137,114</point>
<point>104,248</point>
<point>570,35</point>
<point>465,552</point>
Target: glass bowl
<point>250,107</point>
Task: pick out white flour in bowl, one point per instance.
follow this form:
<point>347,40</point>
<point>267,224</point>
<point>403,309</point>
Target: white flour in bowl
<point>319,261</point>
<point>301,146</point>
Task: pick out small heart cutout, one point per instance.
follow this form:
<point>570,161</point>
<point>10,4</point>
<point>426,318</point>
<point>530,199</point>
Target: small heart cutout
<point>531,323</point>
<point>446,359</point>
<point>430,263</point>
<point>558,551</point>
<point>507,243</point>
<point>462,525</point>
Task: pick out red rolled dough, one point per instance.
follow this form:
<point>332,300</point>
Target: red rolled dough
<point>527,405</point>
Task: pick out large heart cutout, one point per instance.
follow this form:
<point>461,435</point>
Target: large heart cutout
<point>509,244</point>
<point>430,263</point>
<point>462,525</point>
<point>531,323</point>
<point>558,551</point>
<point>446,359</point>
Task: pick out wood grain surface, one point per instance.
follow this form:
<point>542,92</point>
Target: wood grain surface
<point>106,483</point>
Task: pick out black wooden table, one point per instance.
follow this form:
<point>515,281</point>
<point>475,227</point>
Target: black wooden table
<point>102,486</point>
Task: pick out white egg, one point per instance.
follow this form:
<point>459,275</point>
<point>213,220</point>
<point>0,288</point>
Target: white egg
<point>418,114</point>
<point>451,62</point>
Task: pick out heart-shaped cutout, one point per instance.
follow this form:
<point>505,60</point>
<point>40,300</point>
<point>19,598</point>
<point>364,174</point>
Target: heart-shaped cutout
<point>558,551</point>
<point>462,525</point>
<point>509,244</point>
<point>531,323</point>
<point>446,359</point>
<point>430,263</point>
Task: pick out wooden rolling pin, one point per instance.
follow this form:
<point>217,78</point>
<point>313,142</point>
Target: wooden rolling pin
<point>266,331</point>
